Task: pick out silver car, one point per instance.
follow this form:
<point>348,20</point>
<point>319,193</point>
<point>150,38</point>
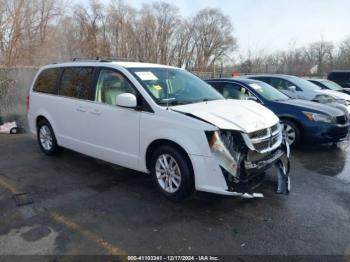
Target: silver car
<point>296,87</point>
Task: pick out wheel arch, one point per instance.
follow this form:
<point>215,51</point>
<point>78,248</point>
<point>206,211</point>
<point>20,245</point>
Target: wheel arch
<point>46,117</point>
<point>296,122</point>
<point>159,142</point>
<point>40,118</point>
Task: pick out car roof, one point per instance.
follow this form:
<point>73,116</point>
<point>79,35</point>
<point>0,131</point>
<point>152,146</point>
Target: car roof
<point>318,79</point>
<point>105,62</point>
<point>340,71</point>
<point>271,75</point>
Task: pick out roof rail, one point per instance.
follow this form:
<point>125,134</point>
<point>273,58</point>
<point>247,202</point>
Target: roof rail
<point>106,59</point>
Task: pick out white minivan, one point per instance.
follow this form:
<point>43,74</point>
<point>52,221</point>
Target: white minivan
<point>160,120</point>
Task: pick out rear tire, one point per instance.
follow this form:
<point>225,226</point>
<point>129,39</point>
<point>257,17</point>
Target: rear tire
<point>291,132</point>
<point>47,139</point>
<point>172,173</point>
<point>14,131</point>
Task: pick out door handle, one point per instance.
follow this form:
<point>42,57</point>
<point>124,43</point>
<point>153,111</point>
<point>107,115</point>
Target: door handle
<point>81,109</point>
<point>95,112</point>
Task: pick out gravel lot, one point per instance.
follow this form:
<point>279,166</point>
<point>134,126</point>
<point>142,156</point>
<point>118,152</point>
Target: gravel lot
<point>85,206</point>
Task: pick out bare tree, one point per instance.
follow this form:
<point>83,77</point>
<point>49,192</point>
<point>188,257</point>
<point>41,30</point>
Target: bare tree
<point>342,60</point>
<point>12,29</point>
<point>183,47</point>
<point>24,29</point>
<point>37,31</point>
<point>88,21</point>
<point>212,32</point>
<point>167,20</point>
<point>321,54</point>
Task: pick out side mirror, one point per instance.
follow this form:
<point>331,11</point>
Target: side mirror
<point>252,98</point>
<point>292,88</point>
<point>126,100</point>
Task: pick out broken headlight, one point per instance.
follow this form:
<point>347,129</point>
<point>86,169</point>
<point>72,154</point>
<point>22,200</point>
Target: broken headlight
<point>226,146</point>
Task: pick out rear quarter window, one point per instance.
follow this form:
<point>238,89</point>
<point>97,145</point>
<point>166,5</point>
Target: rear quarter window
<point>263,79</point>
<point>47,81</point>
<point>76,82</point>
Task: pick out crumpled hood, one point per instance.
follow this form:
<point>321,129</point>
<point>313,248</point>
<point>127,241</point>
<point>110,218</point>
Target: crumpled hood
<point>335,94</point>
<point>243,115</point>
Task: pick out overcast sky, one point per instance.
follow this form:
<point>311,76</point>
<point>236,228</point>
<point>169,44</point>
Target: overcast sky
<point>275,24</point>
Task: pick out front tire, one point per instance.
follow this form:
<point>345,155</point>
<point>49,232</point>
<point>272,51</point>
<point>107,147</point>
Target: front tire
<point>291,132</point>
<point>47,139</point>
<point>172,173</point>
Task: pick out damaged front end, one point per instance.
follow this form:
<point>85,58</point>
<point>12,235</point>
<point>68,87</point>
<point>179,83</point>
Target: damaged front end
<point>244,158</point>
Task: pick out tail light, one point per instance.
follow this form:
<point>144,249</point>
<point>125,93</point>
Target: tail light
<point>28,102</point>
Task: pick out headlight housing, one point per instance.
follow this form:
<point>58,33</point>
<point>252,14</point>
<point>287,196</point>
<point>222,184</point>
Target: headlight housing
<point>342,102</point>
<point>222,153</point>
<point>324,99</point>
<point>315,117</point>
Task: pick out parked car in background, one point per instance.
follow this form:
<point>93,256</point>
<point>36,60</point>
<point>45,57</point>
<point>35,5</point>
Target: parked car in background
<point>302,121</point>
<point>160,120</point>
<point>296,87</point>
<point>341,77</point>
<point>327,84</point>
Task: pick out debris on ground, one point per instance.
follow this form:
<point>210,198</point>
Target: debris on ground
<point>10,128</point>
<point>23,199</point>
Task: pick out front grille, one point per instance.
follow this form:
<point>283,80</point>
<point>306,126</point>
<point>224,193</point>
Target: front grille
<point>274,129</point>
<point>262,145</point>
<point>258,134</point>
<point>341,120</point>
<point>265,140</point>
<point>274,140</point>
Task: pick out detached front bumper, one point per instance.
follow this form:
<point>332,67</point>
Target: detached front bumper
<point>244,169</point>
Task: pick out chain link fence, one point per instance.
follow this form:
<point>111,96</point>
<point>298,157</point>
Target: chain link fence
<point>211,74</point>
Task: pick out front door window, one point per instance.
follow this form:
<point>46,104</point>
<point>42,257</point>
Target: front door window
<point>111,84</point>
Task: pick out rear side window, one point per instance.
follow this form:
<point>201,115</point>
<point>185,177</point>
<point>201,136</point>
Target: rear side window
<point>280,84</point>
<point>76,82</point>
<point>263,79</point>
<point>235,91</point>
<point>231,90</point>
<point>47,81</point>
<point>217,85</point>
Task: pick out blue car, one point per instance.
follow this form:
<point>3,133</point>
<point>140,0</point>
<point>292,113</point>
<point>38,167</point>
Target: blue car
<point>303,121</point>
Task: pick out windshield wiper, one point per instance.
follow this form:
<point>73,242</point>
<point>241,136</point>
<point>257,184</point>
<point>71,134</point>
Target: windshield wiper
<point>171,103</point>
<point>284,99</point>
<point>207,99</point>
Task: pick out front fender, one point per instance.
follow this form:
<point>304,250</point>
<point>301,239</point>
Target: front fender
<point>193,142</point>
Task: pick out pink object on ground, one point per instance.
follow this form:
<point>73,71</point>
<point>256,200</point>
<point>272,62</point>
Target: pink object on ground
<point>6,128</point>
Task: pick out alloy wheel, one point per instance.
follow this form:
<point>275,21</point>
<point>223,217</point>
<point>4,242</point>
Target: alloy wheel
<point>46,139</point>
<point>168,173</point>
<point>289,133</point>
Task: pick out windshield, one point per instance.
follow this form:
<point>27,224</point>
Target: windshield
<point>172,86</point>
<point>331,85</point>
<point>304,84</point>
<point>268,92</point>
